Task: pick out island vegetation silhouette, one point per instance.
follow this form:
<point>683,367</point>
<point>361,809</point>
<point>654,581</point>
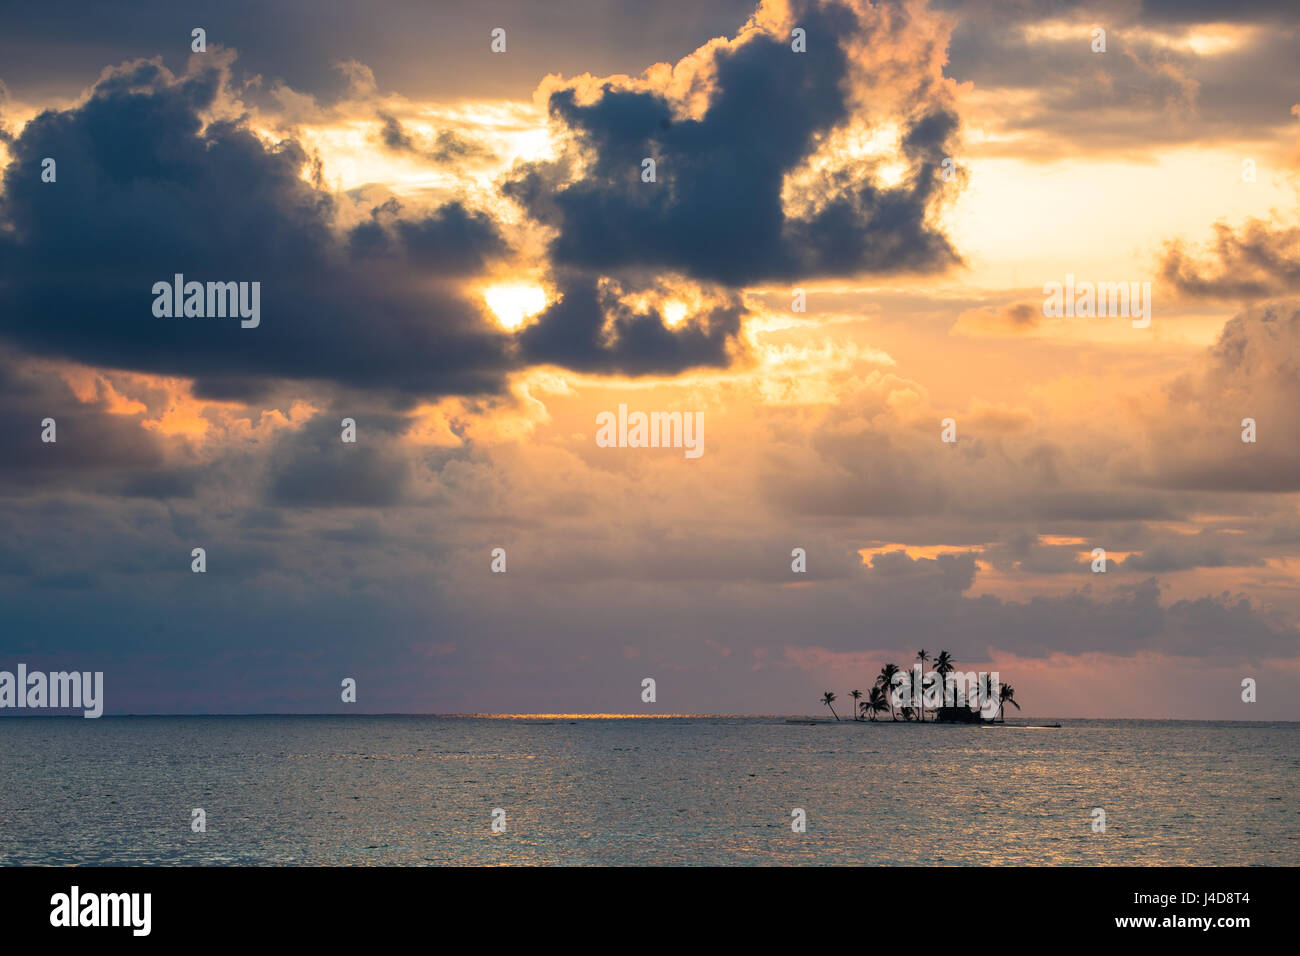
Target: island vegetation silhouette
<point>912,685</point>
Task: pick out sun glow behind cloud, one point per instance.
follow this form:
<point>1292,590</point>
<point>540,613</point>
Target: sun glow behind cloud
<point>513,303</point>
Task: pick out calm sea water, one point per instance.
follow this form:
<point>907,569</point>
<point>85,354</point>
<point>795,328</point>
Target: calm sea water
<point>708,790</point>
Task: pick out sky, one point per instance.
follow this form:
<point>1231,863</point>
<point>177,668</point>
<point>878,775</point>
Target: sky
<point>855,217</point>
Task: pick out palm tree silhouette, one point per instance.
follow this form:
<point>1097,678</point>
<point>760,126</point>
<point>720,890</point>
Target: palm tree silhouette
<point>886,682</point>
<point>828,699</point>
<point>877,702</point>
<point>857,696</point>
<point>924,658</point>
<point>943,666</point>
<point>1006,695</point>
<point>987,692</point>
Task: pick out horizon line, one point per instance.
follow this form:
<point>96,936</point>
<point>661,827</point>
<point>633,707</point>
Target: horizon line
<point>626,716</point>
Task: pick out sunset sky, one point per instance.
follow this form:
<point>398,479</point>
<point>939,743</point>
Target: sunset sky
<point>457,250</point>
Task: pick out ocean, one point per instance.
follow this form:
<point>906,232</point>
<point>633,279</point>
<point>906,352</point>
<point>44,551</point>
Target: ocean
<point>399,790</point>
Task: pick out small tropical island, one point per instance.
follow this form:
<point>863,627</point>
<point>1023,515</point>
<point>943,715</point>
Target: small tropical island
<point>953,696</point>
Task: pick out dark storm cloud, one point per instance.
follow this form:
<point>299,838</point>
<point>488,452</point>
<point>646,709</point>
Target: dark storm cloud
<point>143,192</point>
<point>589,331</point>
<point>715,212</point>
<point>451,241</point>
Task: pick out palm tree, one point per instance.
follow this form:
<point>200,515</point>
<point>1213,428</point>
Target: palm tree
<point>828,699</point>
<point>987,692</point>
<point>857,696</point>
<point>877,702</point>
<point>943,666</point>
<point>924,658</point>
<point>1006,695</point>
<point>886,682</point>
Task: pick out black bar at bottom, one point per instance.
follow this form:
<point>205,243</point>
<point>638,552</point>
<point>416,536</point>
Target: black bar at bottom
<point>926,906</point>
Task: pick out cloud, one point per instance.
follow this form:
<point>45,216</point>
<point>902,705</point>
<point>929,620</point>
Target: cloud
<point>1257,261</point>
<point>448,242</point>
<point>1171,75</point>
<point>149,185</point>
<point>588,329</point>
<point>1017,318</point>
<point>447,146</point>
<point>94,447</point>
<point>1210,11</point>
<point>1195,434</point>
<point>145,190</point>
<point>304,41</point>
<point>314,468</point>
<point>716,211</point>
<point>1164,559</point>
